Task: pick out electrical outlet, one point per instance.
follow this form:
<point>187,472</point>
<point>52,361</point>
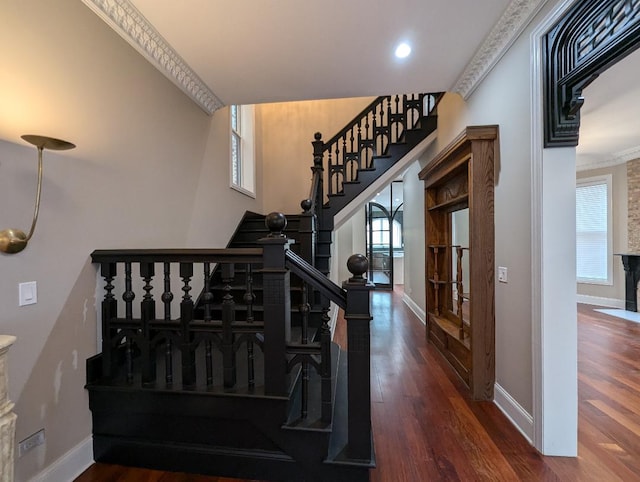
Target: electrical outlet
<point>502,274</point>
<point>31,442</point>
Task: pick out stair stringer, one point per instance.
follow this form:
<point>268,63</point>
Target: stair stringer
<point>392,173</point>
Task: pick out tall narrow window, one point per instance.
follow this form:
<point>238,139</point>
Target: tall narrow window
<point>242,149</point>
<point>593,230</point>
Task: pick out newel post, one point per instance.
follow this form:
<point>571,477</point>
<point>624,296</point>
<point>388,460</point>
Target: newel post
<point>277,304</point>
<point>358,317</point>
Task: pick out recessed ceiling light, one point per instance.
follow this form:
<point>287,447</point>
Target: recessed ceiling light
<point>403,50</point>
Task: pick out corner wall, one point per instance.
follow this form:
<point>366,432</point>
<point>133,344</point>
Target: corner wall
<point>139,178</point>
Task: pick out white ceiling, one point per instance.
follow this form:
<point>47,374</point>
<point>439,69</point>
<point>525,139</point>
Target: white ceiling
<point>280,50</point>
<point>610,117</point>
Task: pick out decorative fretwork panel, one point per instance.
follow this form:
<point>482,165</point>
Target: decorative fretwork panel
<point>592,36</point>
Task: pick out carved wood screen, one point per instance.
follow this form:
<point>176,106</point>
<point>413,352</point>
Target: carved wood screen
<point>461,177</point>
<point>591,37</point>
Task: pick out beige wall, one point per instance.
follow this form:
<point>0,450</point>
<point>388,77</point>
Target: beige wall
<point>287,154</point>
<point>619,209</point>
<point>141,176</point>
<point>503,99</point>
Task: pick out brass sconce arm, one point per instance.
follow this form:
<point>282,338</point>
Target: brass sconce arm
<point>15,240</point>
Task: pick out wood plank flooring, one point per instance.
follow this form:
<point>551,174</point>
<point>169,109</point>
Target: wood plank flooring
<point>426,427</point>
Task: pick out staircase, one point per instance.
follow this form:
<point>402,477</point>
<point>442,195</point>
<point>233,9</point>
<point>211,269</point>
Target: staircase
<point>344,167</point>
<point>244,381</point>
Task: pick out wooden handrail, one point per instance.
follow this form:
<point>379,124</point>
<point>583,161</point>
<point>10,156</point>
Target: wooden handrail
<point>316,279</point>
<point>228,255</point>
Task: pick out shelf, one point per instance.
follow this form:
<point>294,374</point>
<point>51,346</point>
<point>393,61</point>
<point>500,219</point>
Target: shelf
<point>450,202</point>
<point>439,282</point>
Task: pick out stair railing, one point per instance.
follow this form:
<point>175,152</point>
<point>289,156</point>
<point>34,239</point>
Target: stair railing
<point>142,343</point>
<point>382,123</point>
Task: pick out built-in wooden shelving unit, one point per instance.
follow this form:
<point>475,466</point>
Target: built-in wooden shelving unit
<point>461,177</point>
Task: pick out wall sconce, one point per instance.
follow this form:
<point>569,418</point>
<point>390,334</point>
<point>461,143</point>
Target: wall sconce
<point>15,240</point>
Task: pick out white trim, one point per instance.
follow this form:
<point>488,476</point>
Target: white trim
<point>511,24</point>
<point>413,306</point>
<point>70,465</point>
<point>537,260</point>
<point>600,301</point>
<point>517,415</point>
<point>133,27</point>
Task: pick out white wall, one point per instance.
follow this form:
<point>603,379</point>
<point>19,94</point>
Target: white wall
<point>349,238</point>
<point>141,176</point>
<point>504,98</point>
<point>414,248</point>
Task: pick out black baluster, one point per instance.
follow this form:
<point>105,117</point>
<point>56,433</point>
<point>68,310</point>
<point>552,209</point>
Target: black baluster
<point>148,313</point>
<point>128,353</point>
<point>304,315</point>
<point>167,295</point>
<point>167,298</point>
<point>109,311</point>
<point>128,296</point>
<point>228,317</point>
<point>330,170</point>
<point>340,166</point>
<point>248,299</point>
<point>186,316</point>
<point>207,299</point>
<point>360,157</point>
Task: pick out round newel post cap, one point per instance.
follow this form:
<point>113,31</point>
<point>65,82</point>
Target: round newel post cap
<point>306,204</point>
<point>317,136</point>
<point>357,264</point>
<point>275,222</point>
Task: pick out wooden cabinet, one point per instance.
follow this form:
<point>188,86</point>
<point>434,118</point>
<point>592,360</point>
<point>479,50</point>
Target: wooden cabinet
<point>461,308</point>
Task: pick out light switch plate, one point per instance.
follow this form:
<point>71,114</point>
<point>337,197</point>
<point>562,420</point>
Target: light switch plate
<point>28,293</point>
<point>502,274</point>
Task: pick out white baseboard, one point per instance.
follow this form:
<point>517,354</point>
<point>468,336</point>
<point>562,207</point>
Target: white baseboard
<point>518,416</point>
<point>599,301</point>
<point>419,312</point>
<point>70,465</point>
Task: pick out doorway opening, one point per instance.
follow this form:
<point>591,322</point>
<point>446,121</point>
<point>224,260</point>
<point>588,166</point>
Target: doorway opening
<point>384,237</point>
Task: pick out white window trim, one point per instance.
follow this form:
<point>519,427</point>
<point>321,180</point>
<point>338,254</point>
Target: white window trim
<point>608,180</point>
<point>247,184</point>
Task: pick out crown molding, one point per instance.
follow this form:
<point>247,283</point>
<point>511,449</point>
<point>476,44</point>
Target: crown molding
<point>131,25</point>
<point>511,24</point>
<point>620,157</point>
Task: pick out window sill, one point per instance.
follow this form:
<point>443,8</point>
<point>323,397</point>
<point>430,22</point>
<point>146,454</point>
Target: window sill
<point>244,191</point>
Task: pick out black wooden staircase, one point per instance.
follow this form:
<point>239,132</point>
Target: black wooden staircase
<point>243,380</point>
<point>344,167</point>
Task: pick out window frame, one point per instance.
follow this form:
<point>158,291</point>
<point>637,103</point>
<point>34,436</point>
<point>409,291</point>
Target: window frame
<point>243,133</point>
<point>607,180</point>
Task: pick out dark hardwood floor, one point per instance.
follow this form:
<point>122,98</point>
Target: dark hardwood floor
<point>427,428</point>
